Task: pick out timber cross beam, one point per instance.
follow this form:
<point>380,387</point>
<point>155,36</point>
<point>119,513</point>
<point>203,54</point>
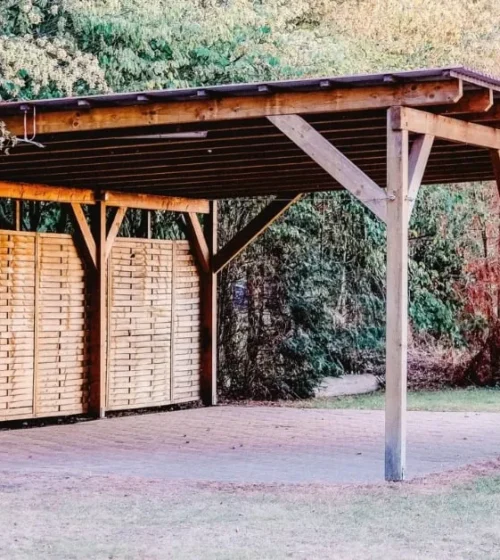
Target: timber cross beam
<point>446,128</point>
<point>422,94</point>
<point>48,193</point>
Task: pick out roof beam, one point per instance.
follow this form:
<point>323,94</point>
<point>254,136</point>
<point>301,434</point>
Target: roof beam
<point>453,130</point>
<point>245,107</point>
<point>47,193</point>
<point>252,230</point>
<point>156,202</point>
<point>334,162</point>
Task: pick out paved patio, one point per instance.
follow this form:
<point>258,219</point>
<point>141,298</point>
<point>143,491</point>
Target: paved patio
<point>250,445</point>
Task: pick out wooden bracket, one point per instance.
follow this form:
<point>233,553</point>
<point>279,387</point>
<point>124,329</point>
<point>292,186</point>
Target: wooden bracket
<point>495,160</point>
<point>88,239</point>
<point>334,162</point>
<point>419,156</point>
<point>197,238</point>
<point>114,229</point>
<point>83,228</point>
<point>253,229</point>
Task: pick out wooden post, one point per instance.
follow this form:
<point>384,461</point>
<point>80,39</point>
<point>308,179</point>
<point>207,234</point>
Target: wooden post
<point>209,315</point>
<point>397,301</point>
<point>18,215</point>
<point>149,224</point>
<point>98,326</point>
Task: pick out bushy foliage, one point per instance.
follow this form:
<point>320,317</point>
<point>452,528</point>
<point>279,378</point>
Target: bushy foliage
<point>310,294</point>
<point>307,300</point>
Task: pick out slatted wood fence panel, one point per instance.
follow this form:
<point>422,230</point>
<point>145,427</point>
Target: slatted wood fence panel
<point>17,313</point>
<point>153,299</point>
<point>153,325</point>
<point>187,337</point>
<point>63,343</point>
<point>44,365</point>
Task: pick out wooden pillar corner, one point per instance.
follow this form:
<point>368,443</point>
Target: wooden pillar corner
<point>98,327</point>
<point>398,208</point>
<point>209,314</point>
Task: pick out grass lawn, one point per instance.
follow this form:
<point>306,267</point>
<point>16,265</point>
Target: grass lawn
<point>447,400</point>
<point>55,518</point>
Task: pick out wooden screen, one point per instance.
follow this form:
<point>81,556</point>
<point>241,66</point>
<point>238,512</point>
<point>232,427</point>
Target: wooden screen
<point>44,362</point>
<point>153,324</point>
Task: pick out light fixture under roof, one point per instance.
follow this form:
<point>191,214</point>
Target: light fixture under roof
<point>167,136</point>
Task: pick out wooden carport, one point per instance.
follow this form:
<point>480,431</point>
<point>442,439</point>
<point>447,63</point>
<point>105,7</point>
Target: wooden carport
<point>379,136</point>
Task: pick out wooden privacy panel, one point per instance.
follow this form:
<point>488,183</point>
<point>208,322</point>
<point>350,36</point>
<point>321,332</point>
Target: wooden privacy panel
<point>187,335</point>
<point>44,365</point>
<point>17,314</point>
<point>63,337</point>
<point>154,324</point>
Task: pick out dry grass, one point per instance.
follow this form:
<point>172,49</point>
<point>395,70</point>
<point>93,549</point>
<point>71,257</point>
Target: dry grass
<point>455,517</point>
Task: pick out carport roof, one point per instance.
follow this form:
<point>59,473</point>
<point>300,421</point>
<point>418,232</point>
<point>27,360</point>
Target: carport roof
<point>226,147</point>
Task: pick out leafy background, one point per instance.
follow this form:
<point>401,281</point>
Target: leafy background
<point>308,298</point>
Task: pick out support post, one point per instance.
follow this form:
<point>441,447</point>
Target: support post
<point>209,315</point>
<point>397,300</point>
<point>98,327</point>
<point>18,209</point>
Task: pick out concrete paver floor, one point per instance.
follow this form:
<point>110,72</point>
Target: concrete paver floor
<point>251,445</point>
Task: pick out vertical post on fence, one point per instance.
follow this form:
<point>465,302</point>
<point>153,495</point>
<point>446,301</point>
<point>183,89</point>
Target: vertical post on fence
<point>18,208</point>
<point>98,327</point>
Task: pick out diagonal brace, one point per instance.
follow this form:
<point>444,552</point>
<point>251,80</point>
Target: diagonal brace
<point>334,162</point>
<point>252,230</point>
<point>419,156</point>
<point>82,226</point>
<point>114,229</point>
<point>89,242</point>
<point>197,238</point>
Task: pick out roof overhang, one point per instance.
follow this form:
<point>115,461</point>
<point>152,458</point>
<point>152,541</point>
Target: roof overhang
<point>121,142</point>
